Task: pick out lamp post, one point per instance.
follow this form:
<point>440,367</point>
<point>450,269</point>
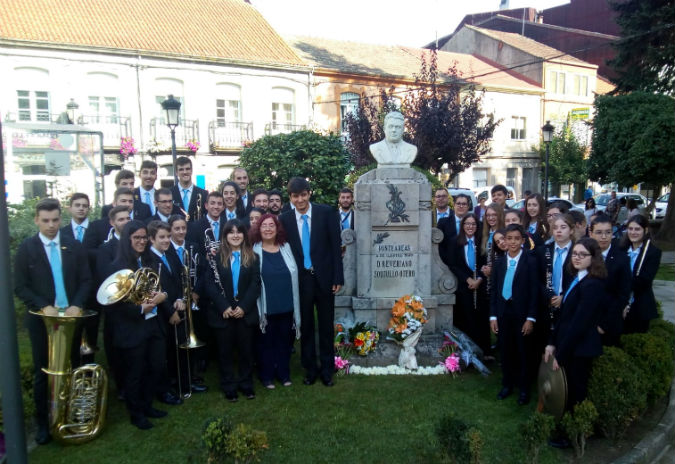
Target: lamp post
<point>71,110</point>
<point>171,107</point>
<point>547,132</point>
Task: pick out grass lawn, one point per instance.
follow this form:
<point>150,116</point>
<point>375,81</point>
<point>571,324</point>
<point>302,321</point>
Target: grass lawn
<point>665,272</point>
<point>386,419</point>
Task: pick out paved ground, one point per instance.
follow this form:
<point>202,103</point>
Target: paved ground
<point>664,290</point>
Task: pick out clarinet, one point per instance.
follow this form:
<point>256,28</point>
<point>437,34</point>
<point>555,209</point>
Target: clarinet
<point>198,213</point>
<point>549,283</point>
<point>488,284</point>
<point>637,273</point>
<point>211,246</point>
<point>475,265</point>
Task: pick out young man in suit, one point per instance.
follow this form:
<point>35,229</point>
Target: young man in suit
<point>314,236</point>
<point>146,191</point>
<point>140,211</point>
<point>99,231</point>
<point>240,177</point>
<point>442,208</point>
<point>261,200</point>
<point>164,207</point>
<point>513,312</point>
<point>79,212</point>
<point>499,194</point>
<point>187,196</point>
<point>51,274</point>
<point>346,201</point>
<point>275,202</point>
<point>618,280</point>
<point>450,226</point>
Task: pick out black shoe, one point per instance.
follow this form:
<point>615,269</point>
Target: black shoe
<point>327,381</point>
<point>309,380</point>
<point>198,388</point>
<point>42,436</point>
<point>504,393</point>
<point>560,443</point>
<point>248,393</point>
<point>197,379</point>
<point>142,423</point>
<point>155,413</point>
<point>231,396</point>
<point>170,399</point>
<point>523,398</point>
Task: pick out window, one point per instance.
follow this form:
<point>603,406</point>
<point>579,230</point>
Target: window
<point>556,82</point>
<point>160,98</point>
<point>480,177</point>
<point>103,110</point>
<point>228,104</point>
<point>165,86</point>
<point>283,107</point>
<point>580,85</point>
<point>511,174</point>
<point>518,128</point>
<point>349,103</point>
<point>33,105</point>
<point>530,180</point>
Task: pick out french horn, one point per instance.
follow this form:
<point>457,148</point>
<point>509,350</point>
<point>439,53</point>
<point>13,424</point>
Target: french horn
<point>134,286</point>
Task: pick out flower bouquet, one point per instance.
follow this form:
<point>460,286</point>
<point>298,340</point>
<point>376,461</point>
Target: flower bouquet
<point>127,148</point>
<point>341,365</point>
<point>343,347</point>
<point>451,358</point>
<point>405,327</point>
<point>364,338</point>
<point>193,145</point>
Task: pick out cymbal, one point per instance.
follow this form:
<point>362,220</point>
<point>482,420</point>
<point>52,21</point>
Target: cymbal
<point>552,387</point>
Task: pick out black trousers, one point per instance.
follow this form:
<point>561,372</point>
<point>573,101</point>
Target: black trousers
<point>475,322</point>
<point>143,366</point>
<point>275,349</point>
<point>180,361</point>
<point>515,353</point>
<point>312,295</point>
<point>236,335</point>
<point>578,371</point>
<point>38,342</point>
<point>115,365</point>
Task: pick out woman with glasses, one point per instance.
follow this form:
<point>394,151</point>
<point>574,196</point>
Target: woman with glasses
<point>279,300</point>
<point>575,340</point>
<point>471,311</point>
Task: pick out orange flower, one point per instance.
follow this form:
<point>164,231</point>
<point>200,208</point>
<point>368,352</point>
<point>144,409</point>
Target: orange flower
<point>397,310</point>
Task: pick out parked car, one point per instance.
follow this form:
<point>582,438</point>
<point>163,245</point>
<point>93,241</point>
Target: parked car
<point>602,199</point>
<point>660,207</point>
<point>521,204</point>
<point>485,192</point>
<point>456,191</point>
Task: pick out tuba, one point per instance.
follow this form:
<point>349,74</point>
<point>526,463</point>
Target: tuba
<point>134,286</point>
<point>78,398</point>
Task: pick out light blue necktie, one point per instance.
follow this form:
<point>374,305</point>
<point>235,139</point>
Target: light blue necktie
<point>440,216</point>
<point>149,203</point>
<point>457,222</point>
<point>471,255</point>
<point>244,200</point>
<point>181,252</point>
<point>235,273</point>
<point>186,199</point>
<point>574,282</point>
<point>166,262</point>
<point>216,230</point>
<point>633,257</point>
<point>80,233</point>
<point>231,215</point>
<point>557,271</point>
<point>345,220</point>
<point>57,274</point>
<point>489,244</point>
<point>533,228</point>
<point>305,242</point>
<point>507,291</point>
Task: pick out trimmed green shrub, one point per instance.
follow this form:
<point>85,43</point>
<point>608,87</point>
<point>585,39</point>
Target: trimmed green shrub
<point>654,358</point>
<point>664,330</point>
<point>535,433</point>
<point>459,441</point>
<point>215,437</point>
<point>579,425</point>
<point>245,444</point>
<point>615,388</point>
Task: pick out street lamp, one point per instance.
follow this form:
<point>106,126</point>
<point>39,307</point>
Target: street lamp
<point>71,110</point>
<point>171,107</point>
<point>547,132</point>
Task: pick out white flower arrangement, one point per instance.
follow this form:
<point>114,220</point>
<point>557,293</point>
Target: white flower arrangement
<point>397,370</point>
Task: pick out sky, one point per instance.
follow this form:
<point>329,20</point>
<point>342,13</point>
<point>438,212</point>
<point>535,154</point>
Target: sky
<point>413,23</point>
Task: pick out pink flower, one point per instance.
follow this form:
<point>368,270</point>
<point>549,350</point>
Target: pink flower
<point>341,363</point>
<point>452,363</point>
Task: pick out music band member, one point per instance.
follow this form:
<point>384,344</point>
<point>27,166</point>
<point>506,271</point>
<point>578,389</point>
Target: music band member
<point>164,207</point>
<point>187,196</point>
<point>346,201</point>
<point>79,212</point>
<point>139,210</point>
<point>275,202</point>
<point>51,274</point>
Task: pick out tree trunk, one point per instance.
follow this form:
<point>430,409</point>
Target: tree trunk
<point>667,231</point>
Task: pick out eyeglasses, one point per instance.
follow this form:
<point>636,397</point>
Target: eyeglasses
<point>440,196</point>
<point>580,255</point>
<point>144,238</point>
<point>461,204</point>
<point>469,224</point>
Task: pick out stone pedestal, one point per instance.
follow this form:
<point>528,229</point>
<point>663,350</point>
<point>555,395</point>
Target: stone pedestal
<point>393,251</point>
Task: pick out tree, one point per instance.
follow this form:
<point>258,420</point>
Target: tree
<point>644,54</point>
<point>272,160</point>
<point>443,119</point>
<point>633,142</point>
<point>566,158</point>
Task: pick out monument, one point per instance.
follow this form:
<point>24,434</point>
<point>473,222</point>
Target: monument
<point>393,250</point>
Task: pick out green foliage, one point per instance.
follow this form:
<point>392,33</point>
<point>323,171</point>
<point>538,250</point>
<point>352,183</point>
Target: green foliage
<point>272,160</point>
<point>654,357</point>
<point>245,444</point>
<point>358,172</point>
<point>579,425</point>
<point>644,55</point>
<point>665,330</point>
<point>21,222</point>
<point>615,388</point>
<point>535,432</point>
<point>215,437</point>
<point>566,158</point>
<point>633,139</point>
<point>459,441</point>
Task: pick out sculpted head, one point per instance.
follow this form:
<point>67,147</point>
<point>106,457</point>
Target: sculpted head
<point>393,127</point>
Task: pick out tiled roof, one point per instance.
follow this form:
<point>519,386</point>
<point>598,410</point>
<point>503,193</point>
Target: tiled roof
<point>603,86</point>
<point>229,30</point>
<point>530,46</point>
<point>400,62</point>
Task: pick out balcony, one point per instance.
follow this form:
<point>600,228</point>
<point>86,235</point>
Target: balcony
<point>274,128</point>
<point>114,128</point>
<point>160,135</point>
<point>229,135</point>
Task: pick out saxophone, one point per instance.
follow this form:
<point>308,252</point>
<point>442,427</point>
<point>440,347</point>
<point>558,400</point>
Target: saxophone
<point>78,398</point>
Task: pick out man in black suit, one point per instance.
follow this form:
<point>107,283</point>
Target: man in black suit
<point>313,232</point>
<point>186,195</point>
<point>99,231</point>
<point>79,212</point>
<point>275,202</point>
<point>450,226</point>
<point>442,208</point>
<point>125,179</point>
<point>240,177</point>
<point>618,280</point>
<point>164,207</point>
<point>346,200</point>
<point>260,199</point>
<point>51,274</point>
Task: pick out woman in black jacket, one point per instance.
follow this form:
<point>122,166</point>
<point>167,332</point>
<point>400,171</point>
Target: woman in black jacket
<point>233,286</point>
<point>645,258</point>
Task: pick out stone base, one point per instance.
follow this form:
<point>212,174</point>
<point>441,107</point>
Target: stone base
<point>387,352</point>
